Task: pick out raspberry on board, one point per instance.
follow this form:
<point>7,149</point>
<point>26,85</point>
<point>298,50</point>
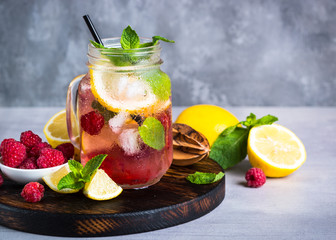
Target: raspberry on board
<point>50,158</point>
<point>92,122</point>
<point>29,139</point>
<point>255,177</point>
<point>67,149</point>
<point>33,192</point>
<point>13,153</point>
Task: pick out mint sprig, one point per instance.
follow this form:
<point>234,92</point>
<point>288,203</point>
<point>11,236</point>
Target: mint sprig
<point>131,47</point>
<point>204,178</point>
<point>231,145</point>
<point>80,175</point>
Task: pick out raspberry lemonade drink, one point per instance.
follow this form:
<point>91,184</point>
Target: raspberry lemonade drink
<point>122,108</point>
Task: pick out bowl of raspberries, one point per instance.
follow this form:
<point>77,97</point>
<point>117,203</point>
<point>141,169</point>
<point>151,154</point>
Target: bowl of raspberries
<point>30,159</point>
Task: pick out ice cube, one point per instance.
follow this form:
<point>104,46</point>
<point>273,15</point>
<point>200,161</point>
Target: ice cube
<point>129,141</point>
<point>122,84</point>
<point>136,90</point>
<point>116,123</point>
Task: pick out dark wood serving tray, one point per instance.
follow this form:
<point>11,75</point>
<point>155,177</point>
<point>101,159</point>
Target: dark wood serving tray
<point>170,202</point>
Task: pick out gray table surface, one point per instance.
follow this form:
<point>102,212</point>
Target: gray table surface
<point>300,206</point>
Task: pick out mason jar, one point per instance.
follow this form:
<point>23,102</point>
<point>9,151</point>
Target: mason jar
<point>122,107</point>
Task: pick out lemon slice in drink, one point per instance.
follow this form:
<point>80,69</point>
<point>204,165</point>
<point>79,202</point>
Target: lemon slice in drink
<point>120,91</point>
<point>275,149</point>
<point>55,129</point>
<point>101,187</point>
<point>52,180</point>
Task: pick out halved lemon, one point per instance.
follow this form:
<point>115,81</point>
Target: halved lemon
<point>52,180</point>
<point>275,149</point>
<point>101,187</point>
<point>210,120</point>
<point>121,92</point>
<point>55,129</point>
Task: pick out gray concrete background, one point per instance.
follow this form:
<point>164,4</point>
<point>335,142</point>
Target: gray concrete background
<point>230,53</point>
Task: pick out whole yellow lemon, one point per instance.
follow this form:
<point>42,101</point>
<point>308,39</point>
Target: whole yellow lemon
<point>210,120</point>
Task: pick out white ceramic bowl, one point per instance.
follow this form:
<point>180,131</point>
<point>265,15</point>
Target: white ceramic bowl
<point>24,176</point>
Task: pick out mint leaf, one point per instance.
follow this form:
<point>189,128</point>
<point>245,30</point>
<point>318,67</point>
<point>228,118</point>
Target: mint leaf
<point>266,120</point>
<point>157,38</point>
<point>92,165</point>
<point>250,120</point>
<point>159,83</point>
<point>152,133</point>
<point>129,39</point>
<point>75,167</point>
<point>97,45</point>
<point>228,150</point>
<point>229,130</point>
<point>204,178</point>
<point>147,44</point>
<point>70,181</point>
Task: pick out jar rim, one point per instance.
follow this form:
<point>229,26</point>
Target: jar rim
<point>113,44</point>
<point>150,54</point>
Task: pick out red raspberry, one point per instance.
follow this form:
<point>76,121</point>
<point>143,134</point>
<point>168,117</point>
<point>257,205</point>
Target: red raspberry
<point>33,192</point>
<point>50,158</point>
<point>29,139</point>
<point>255,177</point>
<point>28,163</point>
<point>67,149</point>
<point>13,153</point>
<point>1,180</point>
<point>92,122</point>
<point>4,142</point>
<point>35,150</point>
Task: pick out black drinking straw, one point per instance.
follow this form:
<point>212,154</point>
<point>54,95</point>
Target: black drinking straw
<point>92,29</point>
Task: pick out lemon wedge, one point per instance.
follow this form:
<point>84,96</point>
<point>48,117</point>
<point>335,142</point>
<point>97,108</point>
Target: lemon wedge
<point>101,187</point>
<point>121,92</point>
<point>275,149</point>
<point>52,180</point>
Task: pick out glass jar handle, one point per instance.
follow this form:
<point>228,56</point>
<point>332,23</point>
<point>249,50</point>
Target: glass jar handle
<point>71,111</point>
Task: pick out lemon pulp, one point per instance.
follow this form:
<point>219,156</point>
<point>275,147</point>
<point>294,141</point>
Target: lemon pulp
<point>101,187</point>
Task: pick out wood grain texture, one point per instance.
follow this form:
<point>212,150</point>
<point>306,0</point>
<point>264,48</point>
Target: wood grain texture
<point>190,146</point>
<point>170,202</point>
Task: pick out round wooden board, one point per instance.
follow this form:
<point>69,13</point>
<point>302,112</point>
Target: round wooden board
<point>170,202</point>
